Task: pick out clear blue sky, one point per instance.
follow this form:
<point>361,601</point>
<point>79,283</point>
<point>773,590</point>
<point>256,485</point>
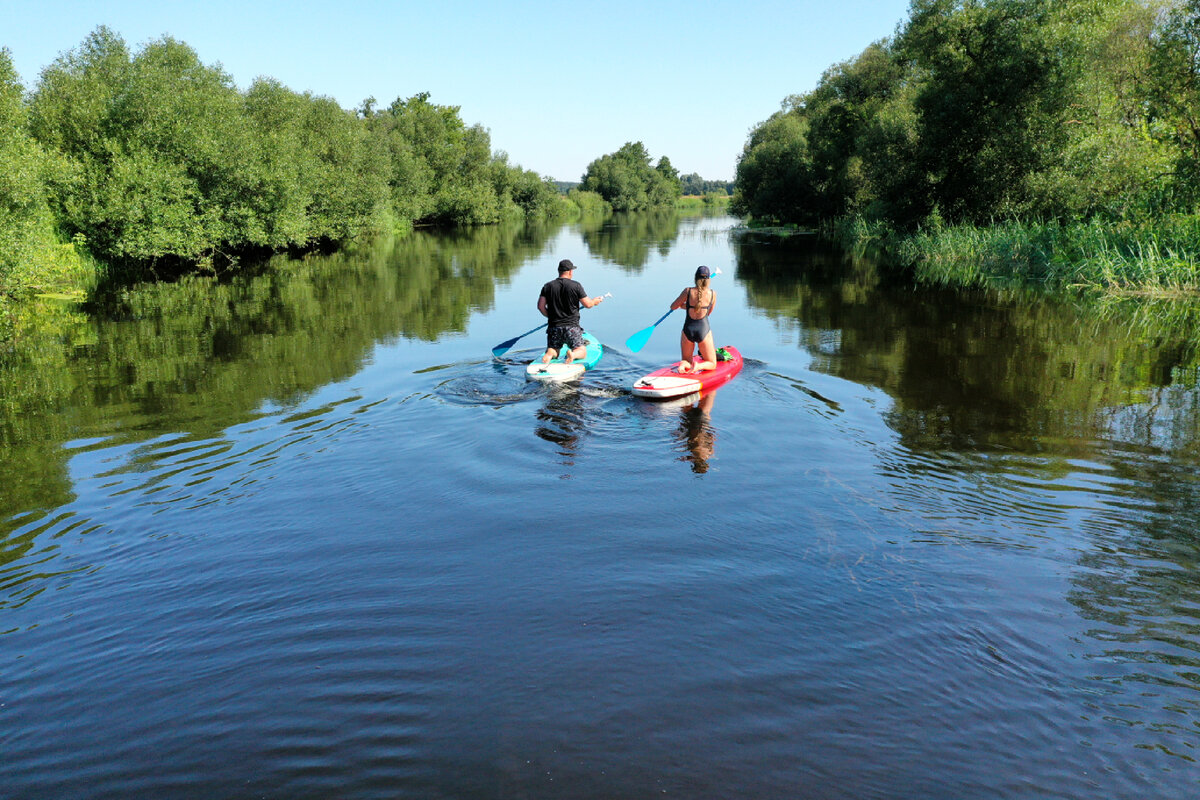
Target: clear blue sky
<point>557,84</point>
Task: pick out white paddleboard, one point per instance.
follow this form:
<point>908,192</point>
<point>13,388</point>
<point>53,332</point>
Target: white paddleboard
<point>554,371</point>
<point>558,370</point>
<point>670,382</point>
<point>665,386</point>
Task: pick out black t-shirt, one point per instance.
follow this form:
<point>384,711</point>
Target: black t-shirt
<point>562,301</point>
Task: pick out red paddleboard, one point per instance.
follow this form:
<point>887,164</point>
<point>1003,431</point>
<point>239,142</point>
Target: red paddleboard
<point>669,382</point>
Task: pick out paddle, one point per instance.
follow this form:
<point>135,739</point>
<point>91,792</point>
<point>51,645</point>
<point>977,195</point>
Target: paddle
<point>503,347</point>
<point>639,339</point>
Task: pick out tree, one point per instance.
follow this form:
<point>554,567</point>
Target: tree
<point>990,102</point>
<point>1175,93</point>
<point>665,187</point>
<point>349,171</point>
<point>168,160</point>
<point>840,111</point>
<point>990,109</point>
<point>626,180</point>
<point>1112,162</point>
<point>27,240</point>
<point>156,157</point>
<point>441,168</point>
<point>694,185</point>
<point>774,176</point>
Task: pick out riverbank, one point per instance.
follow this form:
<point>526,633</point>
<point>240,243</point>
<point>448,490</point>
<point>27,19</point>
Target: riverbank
<point>712,201</point>
<point>48,272</point>
<point>1161,256</point>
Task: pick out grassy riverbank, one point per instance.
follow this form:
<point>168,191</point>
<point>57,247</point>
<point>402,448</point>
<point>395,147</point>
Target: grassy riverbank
<point>711,200</point>
<point>1160,256</point>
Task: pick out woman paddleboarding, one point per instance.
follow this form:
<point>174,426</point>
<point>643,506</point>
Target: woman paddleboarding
<point>699,301</point>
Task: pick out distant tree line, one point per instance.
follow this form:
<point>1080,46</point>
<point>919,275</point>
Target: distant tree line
<point>980,111</point>
<point>154,158</point>
<point>694,185</point>
<point>690,185</point>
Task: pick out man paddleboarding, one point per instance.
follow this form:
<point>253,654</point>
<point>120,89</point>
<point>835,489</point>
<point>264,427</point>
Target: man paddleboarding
<point>559,303</point>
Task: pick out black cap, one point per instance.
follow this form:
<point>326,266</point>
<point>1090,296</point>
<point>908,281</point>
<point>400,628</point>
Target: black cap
<point>702,271</point>
<point>565,265</point>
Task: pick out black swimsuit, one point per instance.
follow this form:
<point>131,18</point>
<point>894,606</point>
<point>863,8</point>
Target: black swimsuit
<point>696,329</point>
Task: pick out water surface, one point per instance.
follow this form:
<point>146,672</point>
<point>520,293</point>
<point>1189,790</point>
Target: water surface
<point>297,534</point>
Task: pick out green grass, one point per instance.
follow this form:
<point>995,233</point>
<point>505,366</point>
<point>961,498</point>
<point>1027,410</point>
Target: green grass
<point>710,200</point>
<point>1160,256</point>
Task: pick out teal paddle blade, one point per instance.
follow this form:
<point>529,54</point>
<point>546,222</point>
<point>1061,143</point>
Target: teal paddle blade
<point>639,339</point>
<point>503,347</point>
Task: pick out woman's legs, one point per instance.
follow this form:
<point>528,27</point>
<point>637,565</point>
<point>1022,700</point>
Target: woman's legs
<point>708,354</point>
<point>686,351</point>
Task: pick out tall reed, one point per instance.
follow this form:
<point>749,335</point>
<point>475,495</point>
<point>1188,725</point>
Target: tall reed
<point>1161,255</point>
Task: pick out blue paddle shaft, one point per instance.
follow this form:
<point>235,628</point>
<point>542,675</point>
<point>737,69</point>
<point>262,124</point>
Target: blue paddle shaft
<point>502,348</point>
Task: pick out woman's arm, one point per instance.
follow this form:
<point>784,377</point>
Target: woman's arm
<point>680,301</point>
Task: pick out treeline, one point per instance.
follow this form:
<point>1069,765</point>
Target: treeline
<point>693,185</point>
<point>1070,128</point>
<point>156,159</point>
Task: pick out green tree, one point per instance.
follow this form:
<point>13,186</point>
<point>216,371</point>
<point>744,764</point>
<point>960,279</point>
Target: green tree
<point>627,182</point>
<point>1113,161</point>
<point>840,111</point>
<point>30,255</point>
<point>279,190</point>
<point>993,90</point>
<point>899,190</point>
<point>833,151</point>
<point>1175,93</point>
<point>694,185</point>
<point>774,177</point>
<point>440,168</point>
<point>157,158</point>
<point>524,192</point>
<point>346,184</point>
<point>987,109</point>
<point>70,107</point>
<point>665,187</point>
<point>138,134</point>
<point>167,160</point>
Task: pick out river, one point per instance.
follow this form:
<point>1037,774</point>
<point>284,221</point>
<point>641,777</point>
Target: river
<point>296,533</point>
